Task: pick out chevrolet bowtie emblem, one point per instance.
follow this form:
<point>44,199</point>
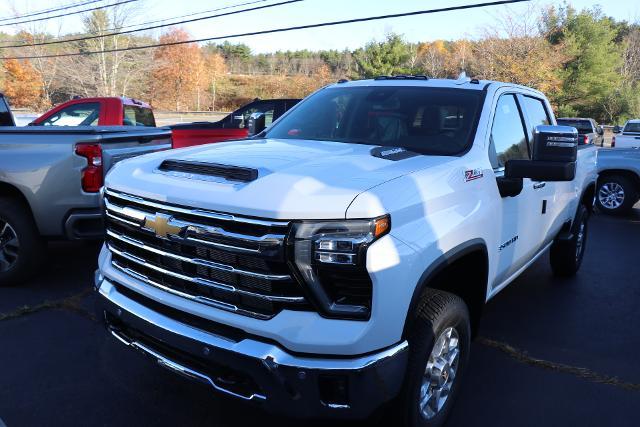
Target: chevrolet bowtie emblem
<point>161,225</point>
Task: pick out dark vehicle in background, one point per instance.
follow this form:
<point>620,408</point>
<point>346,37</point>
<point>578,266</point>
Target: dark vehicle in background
<point>6,118</point>
<point>588,130</point>
<point>234,126</point>
<point>104,111</point>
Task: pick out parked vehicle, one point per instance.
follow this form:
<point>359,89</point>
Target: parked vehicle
<point>619,180</point>
<point>234,126</point>
<point>589,132</point>
<point>627,136</point>
<point>6,118</point>
<point>50,180</point>
<point>107,111</point>
<point>342,257</point>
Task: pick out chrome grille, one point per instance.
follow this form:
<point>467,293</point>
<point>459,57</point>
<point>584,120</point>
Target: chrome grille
<point>232,263</point>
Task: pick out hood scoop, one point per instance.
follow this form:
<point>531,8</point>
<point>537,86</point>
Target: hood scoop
<point>231,173</point>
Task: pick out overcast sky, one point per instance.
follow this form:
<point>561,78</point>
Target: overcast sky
<point>449,25</point>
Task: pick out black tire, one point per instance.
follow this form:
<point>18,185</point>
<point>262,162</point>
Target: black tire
<point>21,259</point>
<point>627,195</point>
<point>567,255</point>
<point>438,311</point>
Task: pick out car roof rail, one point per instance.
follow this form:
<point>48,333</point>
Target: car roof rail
<point>343,80</point>
<point>403,77</point>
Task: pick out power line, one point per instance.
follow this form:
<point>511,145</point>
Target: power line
<point>277,30</point>
<point>28,42</point>
<point>42,12</point>
<point>69,13</point>
<point>117,33</point>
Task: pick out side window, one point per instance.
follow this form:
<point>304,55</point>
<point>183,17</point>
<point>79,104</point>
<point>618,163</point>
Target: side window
<point>240,118</point>
<point>75,115</point>
<point>138,116</point>
<point>508,140</point>
<point>536,112</point>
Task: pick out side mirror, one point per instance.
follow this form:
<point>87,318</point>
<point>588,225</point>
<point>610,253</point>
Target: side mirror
<point>256,123</point>
<point>617,129</point>
<point>555,149</point>
<point>600,130</point>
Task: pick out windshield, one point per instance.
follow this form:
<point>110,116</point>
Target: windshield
<point>632,127</point>
<point>583,126</point>
<point>421,119</point>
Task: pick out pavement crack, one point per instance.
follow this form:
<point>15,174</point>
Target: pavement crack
<point>584,373</point>
<point>71,303</point>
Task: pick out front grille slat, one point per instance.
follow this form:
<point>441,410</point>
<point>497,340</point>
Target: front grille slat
<point>240,266</point>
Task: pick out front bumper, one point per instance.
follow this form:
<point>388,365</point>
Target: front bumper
<point>249,368</point>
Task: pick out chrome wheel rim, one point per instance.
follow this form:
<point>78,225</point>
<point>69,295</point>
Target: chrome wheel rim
<point>611,195</point>
<point>440,373</point>
<point>9,246</point>
<point>580,241</point>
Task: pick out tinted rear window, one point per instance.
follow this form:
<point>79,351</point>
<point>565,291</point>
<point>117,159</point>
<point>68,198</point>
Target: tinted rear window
<point>138,116</point>
<point>632,127</point>
<point>583,126</point>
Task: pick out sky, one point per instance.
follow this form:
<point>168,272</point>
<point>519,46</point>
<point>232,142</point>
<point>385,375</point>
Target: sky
<point>447,25</point>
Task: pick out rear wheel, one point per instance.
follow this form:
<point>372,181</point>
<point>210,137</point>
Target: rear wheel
<point>567,255</point>
<point>615,195</point>
<point>439,344</point>
<point>21,248</point>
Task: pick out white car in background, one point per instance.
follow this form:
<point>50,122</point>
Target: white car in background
<point>629,137</point>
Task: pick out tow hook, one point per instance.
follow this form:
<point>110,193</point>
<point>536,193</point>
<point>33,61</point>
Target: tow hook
<point>272,366</point>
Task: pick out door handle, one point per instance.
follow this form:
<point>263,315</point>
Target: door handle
<point>539,185</point>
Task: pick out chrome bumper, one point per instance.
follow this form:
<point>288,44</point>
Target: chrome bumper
<point>275,377</point>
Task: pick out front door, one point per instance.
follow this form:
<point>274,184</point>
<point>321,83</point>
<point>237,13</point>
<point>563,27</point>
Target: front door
<point>518,219</point>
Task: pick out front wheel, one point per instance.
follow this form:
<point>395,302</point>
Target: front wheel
<point>439,343</point>
<point>567,255</point>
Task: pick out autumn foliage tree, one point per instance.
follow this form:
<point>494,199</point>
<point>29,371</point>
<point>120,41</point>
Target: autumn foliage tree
<point>177,71</point>
<point>22,84</point>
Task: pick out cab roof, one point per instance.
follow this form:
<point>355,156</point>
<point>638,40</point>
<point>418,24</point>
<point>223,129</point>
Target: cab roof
<point>423,81</point>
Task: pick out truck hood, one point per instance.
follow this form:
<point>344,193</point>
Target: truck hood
<point>297,179</point>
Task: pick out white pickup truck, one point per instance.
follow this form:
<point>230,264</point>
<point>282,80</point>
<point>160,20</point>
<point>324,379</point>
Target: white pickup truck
<point>628,136</point>
<point>341,259</point>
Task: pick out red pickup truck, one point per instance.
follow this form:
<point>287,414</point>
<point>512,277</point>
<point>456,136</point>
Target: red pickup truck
<point>233,126</point>
<point>106,111</point>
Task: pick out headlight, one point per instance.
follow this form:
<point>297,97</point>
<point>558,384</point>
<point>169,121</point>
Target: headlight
<point>330,259</point>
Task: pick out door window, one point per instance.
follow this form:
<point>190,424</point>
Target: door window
<point>240,118</point>
<point>75,115</point>
<point>536,112</point>
<point>508,140</point>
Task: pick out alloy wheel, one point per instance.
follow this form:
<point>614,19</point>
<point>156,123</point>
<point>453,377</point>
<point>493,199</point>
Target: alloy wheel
<point>580,240</point>
<point>9,246</point>
<point>440,373</point>
<point>611,195</point>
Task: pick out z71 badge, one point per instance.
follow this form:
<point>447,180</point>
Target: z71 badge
<point>472,175</point>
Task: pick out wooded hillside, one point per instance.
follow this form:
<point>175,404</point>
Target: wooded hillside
<point>587,63</point>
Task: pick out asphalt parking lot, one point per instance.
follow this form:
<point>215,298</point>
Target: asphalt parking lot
<point>550,352</point>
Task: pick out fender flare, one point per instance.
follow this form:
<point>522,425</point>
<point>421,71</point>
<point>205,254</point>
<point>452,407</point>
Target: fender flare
<point>436,267</point>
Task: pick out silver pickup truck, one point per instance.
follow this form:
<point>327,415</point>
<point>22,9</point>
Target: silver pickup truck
<point>50,181</point>
<point>619,180</point>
